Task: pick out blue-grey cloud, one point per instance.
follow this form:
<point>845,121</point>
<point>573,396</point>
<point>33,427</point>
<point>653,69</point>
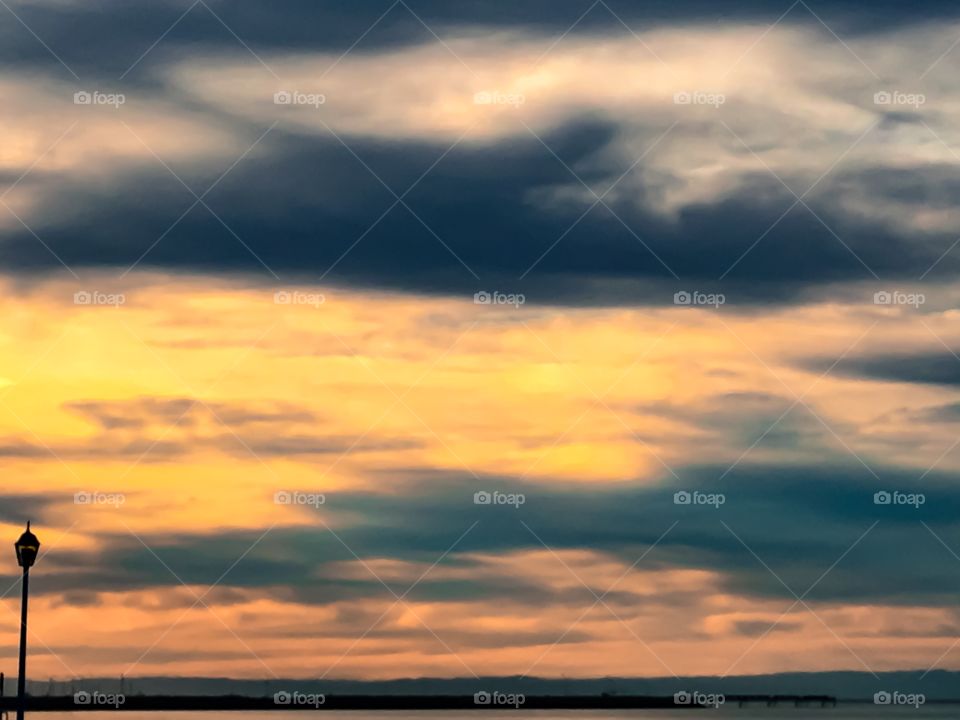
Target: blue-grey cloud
<point>500,213</point>
<point>109,37</point>
<point>928,368</point>
<point>887,553</point>
<point>477,202</point>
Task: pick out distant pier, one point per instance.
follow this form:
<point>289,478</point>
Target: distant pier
<point>61,703</point>
<point>354,702</point>
<point>774,700</point>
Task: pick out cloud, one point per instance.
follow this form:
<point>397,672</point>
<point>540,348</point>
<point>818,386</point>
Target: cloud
<point>508,207</point>
<point>948,413</point>
<point>795,127</point>
<point>767,515</point>
<point>752,628</point>
<point>150,411</point>
<point>116,35</point>
<point>760,421</point>
<point>927,368</point>
<point>18,509</point>
<point>163,429</point>
<point>86,151</point>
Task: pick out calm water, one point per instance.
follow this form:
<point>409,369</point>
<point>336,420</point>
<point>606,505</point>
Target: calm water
<point>849,712</point>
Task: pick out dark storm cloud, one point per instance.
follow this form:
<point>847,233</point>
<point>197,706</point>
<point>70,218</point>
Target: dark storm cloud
<point>479,202</point>
<point>305,201</point>
<point>105,39</point>
<point>798,520</point>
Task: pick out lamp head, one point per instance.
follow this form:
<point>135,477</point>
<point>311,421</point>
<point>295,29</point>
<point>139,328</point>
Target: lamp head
<point>27,547</point>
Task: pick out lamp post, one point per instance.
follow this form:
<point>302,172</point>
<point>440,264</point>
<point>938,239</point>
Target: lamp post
<point>27,548</point>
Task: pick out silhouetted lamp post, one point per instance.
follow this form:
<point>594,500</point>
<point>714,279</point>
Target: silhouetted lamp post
<point>27,548</point>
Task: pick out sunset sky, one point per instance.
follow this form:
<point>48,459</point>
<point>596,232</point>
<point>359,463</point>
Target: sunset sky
<point>285,285</point>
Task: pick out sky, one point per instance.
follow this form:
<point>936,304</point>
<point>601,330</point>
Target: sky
<point>468,338</point>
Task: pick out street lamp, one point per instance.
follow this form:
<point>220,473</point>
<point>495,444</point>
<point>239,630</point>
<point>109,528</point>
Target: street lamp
<point>27,548</point>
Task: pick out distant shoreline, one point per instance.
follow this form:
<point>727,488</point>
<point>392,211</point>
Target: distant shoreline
<point>394,702</point>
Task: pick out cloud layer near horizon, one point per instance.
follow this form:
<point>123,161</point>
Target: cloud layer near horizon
<point>179,425</point>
